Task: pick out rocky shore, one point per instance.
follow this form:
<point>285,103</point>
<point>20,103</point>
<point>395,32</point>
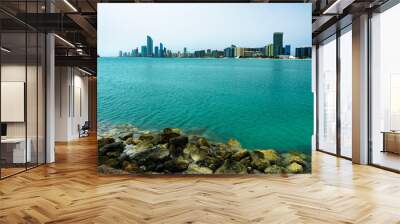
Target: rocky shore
<point>124,149</point>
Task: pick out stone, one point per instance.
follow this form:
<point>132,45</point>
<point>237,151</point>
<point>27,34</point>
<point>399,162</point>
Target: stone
<point>295,168</point>
<point>212,162</point>
<point>129,141</point>
<point>258,161</point>
<point>233,143</point>
<point>102,159</point>
<point>112,163</point>
<point>154,153</point>
<point>113,154</point>
<point>112,147</point>
<point>129,166</point>
<point>153,138</point>
<point>202,142</point>
<point>169,133</point>
<point>240,155</point>
<point>271,155</point>
<point>109,170</point>
<point>275,169</point>
<point>195,153</point>
<point>125,136</point>
<point>104,141</point>
<point>196,169</point>
<point>177,144</point>
<point>291,157</point>
<point>231,167</point>
<point>176,165</point>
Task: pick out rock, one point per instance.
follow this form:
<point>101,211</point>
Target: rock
<point>176,165</point>
<point>258,161</point>
<point>212,162</point>
<point>275,169</point>
<point>129,141</point>
<point>292,157</point>
<point>102,159</point>
<point>231,167</point>
<point>125,136</point>
<point>271,155</point>
<point>195,153</point>
<point>233,143</point>
<point>196,169</point>
<point>154,153</point>
<point>112,147</point>
<point>240,155</point>
<point>202,142</point>
<point>261,159</point>
<point>104,141</point>
<point>153,138</point>
<point>108,170</point>
<point>177,144</point>
<point>295,168</point>
<point>169,133</point>
<point>130,167</point>
<point>112,163</point>
<point>113,154</point>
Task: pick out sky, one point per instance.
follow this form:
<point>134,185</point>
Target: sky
<point>124,26</point>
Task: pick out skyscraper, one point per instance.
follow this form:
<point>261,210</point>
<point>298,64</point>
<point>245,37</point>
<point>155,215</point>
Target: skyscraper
<point>278,42</point>
<point>149,46</point>
<point>287,50</point>
<point>184,52</point>
<point>156,51</point>
<point>161,50</point>
<point>143,51</point>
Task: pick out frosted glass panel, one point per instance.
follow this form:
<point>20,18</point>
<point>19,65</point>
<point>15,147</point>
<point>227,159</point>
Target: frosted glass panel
<point>327,97</point>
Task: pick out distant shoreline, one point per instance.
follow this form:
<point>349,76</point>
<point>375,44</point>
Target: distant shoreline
<point>279,59</point>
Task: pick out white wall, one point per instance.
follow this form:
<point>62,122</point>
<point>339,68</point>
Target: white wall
<point>71,102</point>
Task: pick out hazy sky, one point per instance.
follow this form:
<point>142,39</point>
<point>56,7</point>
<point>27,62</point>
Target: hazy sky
<point>124,26</point>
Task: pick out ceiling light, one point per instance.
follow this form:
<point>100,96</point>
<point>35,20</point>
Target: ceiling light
<point>65,41</point>
<point>5,50</point>
<point>70,5</point>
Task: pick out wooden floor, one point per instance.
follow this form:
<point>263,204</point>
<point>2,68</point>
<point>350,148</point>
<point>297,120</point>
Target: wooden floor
<point>70,191</point>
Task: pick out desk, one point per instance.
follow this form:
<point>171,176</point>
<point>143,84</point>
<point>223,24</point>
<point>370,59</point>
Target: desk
<point>15,148</point>
<point>391,141</point>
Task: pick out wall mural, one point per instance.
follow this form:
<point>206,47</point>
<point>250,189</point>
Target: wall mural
<point>204,88</point>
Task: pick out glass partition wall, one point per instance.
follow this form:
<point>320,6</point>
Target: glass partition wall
<point>22,77</point>
<point>334,93</point>
<point>385,90</point>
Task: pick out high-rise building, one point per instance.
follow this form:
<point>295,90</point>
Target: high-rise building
<point>156,54</point>
<point>230,51</point>
<point>149,46</point>
<point>303,52</point>
<point>165,52</point>
<point>239,52</point>
<point>269,50</point>
<point>120,53</point>
<point>287,50</point>
<point>161,50</point>
<point>278,43</point>
<point>184,52</point>
<point>143,51</point>
<point>208,54</point>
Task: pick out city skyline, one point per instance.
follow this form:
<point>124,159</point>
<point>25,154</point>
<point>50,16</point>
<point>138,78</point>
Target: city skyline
<point>276,49</point>
<point>201,26</point>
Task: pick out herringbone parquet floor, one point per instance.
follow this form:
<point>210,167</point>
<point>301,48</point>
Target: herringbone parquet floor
<point>71,191</point>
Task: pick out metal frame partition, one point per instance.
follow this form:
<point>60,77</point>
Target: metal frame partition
<point>337,31</point>
<point>34,73</point>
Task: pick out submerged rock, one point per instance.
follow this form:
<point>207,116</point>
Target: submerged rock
<point>275,169</point>
<point>233,143</point>
<point>169,133</point>
<point>261,159</point>
<point>291,157</point>
<point>177,144</point>
<point>104,141</point>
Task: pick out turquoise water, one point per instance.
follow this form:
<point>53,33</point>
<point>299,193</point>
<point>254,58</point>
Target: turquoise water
<point>262,103</point>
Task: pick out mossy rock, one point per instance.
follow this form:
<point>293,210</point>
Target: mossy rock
<point>296,157</point>
<point>169,133</point>
<point>231,167</point>
<point>153,138</point>
<point>233,143</point>
<point>212,162</point>
<point>240,155</point>
<point>102,159</point>
<point>196,169</point>
<point>275,169</point>
<point>194,153</point>
<point>295,168</point>
<point>113,154</point>
<point>125,136</point>
<point>176,165</point>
